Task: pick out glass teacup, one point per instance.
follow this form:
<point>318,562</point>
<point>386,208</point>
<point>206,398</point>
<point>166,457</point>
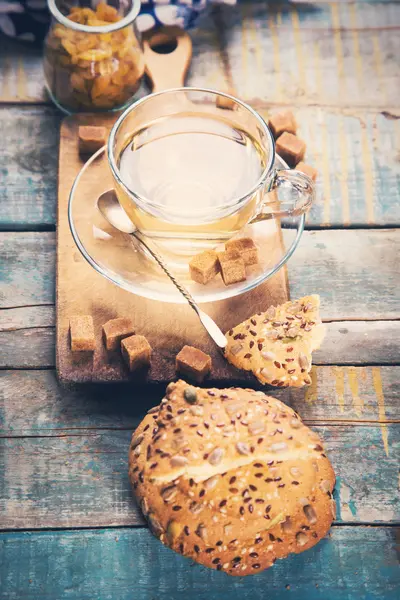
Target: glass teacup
<point>196,166</point>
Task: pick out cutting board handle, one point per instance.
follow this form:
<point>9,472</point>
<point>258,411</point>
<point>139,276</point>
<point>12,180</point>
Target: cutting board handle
<point>167,69</point>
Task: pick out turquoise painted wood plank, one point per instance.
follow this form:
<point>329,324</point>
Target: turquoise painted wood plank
<point>28,348</point>
<point>33,403</point>
<point>349,269</point>
<point>346,343</point>
<point>27,269</point>
<point>21,75</point>
<point>352,563</point>
<point>27,317</point>
<point>355,153</point>
<point>356,158</point>
<point>80,479</point>
<point>339,265</point>
<point>28,167</point>
<point>309,53</point>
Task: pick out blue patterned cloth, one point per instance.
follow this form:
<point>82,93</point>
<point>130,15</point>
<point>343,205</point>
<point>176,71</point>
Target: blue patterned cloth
<point>173,12</point>
<point>29,19</point>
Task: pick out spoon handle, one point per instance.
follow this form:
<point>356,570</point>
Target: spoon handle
<point>209,325</point>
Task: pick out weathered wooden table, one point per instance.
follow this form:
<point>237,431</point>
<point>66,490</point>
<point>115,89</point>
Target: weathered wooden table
<point>69,526</point>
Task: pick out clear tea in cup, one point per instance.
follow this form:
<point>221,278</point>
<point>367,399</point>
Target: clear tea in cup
<point>191,164</point>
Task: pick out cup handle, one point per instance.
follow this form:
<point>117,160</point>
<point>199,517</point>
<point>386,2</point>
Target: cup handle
<point>298,191</point>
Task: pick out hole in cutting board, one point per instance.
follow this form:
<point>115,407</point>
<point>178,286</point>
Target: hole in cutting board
<point>164,46</point>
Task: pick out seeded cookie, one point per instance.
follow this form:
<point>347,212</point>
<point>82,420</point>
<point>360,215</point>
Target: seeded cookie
<point>276,345</point>
<point>231,478</point>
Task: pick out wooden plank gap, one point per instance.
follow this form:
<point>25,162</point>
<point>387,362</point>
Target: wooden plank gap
<point>84,432</point>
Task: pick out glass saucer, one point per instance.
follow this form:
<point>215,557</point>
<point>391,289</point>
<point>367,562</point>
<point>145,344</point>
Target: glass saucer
<point>119,257</point>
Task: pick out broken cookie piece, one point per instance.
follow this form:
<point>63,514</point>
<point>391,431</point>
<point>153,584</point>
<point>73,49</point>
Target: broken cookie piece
<point>277,345</point>
<point>193,363</point>
<point>136,351</point>
<point>232,267</point>
<point>116,330</point>
<point>204,266</point>
<point>91,139</point>
<point>281,122</point>
<point>82,333</point>
<point>290,148</point>
<point>246,248</point>
<point>308,170</point>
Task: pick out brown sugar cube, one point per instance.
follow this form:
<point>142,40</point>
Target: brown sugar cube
<point>282,121</point>
<point>136,351</point>
<point>193,363</point>
<point>116,330</point>
<point>82,333</point>
<point>91,138</point>
<point>226,103</point>
<point>204,267</point>
<point>290,148</point>
<point>232,267</point>
<point>308,170</point>
<point>246,248</point>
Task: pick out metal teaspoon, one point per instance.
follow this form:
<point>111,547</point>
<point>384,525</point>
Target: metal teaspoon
<point>113,212</point>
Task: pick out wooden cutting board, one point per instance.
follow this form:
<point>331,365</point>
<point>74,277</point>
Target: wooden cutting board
<point>81,290</point>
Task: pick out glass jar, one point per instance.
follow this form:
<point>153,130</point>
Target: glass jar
<point>93,60</point>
